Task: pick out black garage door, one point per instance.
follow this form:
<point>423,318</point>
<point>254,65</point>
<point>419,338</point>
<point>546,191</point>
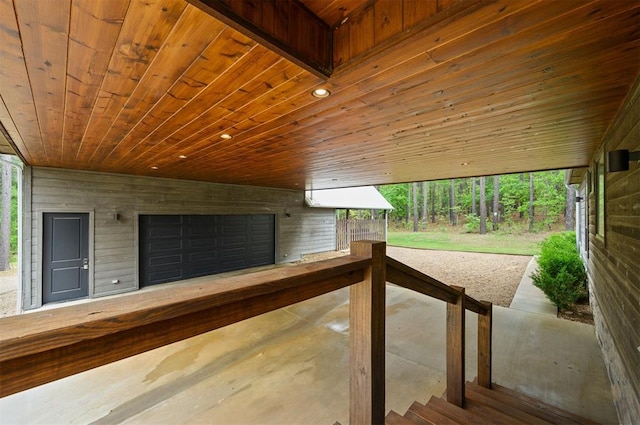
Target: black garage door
<point>175,247</point>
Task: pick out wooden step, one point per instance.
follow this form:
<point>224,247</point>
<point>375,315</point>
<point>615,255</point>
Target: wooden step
<point>497,417</point>
<point>503,403</point>
<point>417,420</point>
<point>557,415</point>
<point>429,415</point>
<point>497,406</point>
<point>462,416</point>
<point>394,418</point>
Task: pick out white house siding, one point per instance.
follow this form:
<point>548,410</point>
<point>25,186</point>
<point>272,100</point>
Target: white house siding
<point>299,229</point>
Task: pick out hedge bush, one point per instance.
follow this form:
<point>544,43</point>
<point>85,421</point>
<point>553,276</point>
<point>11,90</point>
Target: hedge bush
<point>561,274</point>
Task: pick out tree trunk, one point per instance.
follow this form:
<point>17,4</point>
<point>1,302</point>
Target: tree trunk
<point>408,203</point>
<point>570,215</point>
<point>415,206</point>
<point>5,226</point>
<point>518,201</point>
<point>424,201</point>
<point>531,211</point>
<point>433,202</point>
<point>474,210</point>
<point>452,204</point>
<point>483,207</point>
<point>496,201</point>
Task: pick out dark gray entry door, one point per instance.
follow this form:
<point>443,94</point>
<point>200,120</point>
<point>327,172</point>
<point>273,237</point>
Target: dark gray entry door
<point>65,256</point>
<point>175,247</point>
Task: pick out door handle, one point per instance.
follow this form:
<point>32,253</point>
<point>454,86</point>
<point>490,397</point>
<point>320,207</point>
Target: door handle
<point>85,264</point>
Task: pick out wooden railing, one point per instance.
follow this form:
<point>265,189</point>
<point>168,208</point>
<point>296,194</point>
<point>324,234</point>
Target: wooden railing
<point>457,303</point>
<point>48,345</point>
<point>348,230</point>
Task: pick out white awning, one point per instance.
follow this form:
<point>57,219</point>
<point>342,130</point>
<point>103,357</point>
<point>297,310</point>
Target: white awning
<point>355,198</point>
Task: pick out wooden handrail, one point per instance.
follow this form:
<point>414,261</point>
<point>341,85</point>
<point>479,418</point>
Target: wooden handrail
<point>407,277</point>
<point>457,302</point>
<point>51,344</point>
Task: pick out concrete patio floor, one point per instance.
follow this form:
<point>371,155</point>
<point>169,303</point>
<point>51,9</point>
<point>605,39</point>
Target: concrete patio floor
<point>290,366</point>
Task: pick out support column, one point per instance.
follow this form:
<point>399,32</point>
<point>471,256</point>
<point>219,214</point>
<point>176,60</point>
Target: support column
<point>484,345</point>
<point>455,350</point>
<point>367,337</point>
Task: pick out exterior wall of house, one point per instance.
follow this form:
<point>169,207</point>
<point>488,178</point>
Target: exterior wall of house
<point>299,229</point>
<point>614,262</point>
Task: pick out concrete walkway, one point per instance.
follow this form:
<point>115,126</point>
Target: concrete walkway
<point>291,366</point>
<point>529,297</point>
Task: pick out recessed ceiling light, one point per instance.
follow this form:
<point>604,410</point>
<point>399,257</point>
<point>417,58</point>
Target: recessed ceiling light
<point>226,136</point>
<point>182,156</point>
<point>320,93</point>
<point>153,167</point>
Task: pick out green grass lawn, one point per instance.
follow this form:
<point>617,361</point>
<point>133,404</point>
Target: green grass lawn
<point>451,240</point>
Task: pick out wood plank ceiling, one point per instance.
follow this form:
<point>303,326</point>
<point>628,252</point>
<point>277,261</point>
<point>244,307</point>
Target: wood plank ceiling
<point>420,89</point>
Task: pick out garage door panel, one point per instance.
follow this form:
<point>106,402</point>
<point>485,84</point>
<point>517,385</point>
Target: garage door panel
<point>165,260</point>
<point>234,240</point>
<point>165,232</point>
<point>180,247</point>
<point>165,245</point>
<point>164,276</point>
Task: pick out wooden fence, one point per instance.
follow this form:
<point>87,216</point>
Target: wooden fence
<point>349,230</point>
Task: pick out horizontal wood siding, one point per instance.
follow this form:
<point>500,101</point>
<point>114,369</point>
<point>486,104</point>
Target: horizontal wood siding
<point>614,265</point>
<point>299,229</point>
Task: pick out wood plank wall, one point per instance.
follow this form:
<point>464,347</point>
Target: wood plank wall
<point>614,265</point>
<point>305,230</point>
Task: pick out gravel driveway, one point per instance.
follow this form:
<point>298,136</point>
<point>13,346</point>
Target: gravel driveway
<point>8,291</point>
<point>488,277</point>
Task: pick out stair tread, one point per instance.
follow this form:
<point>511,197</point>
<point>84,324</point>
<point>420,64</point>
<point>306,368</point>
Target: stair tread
<point>394,418</point>
<point>497,417</point>
<point>418,420</point>
<point>504,404</point>
<point>430,415</point>
<point>552,413</point>
<point>459,414</point>
<point>499,405</point>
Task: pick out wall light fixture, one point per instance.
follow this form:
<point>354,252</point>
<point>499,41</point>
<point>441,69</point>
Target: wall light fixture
<point>619,160</point>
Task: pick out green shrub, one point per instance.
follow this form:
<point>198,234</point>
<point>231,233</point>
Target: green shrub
<point>472,223</point>
<point>560,274</point>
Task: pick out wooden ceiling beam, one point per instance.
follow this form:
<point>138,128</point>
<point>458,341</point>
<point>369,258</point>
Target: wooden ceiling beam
<point>286,27</point>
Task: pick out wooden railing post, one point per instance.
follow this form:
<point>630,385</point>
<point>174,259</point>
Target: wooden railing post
<point>484,345</point>
<point>455,350</point>
<point>366,337</point>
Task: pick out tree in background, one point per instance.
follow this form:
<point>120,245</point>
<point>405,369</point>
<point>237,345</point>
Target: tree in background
<point>452,203</point>
<point>408,203</point>
<point>570,215</point>
<point>474,210</point>
<point>531,199</point>
<point>5,218</point>
<point>550,198</point>
<point>496,201</point>
<point>396,194</point>
<point>433,202</point>
<point>483,207</point>
<point>415,207</point>
<point>512,197</point>
<point>425,213</point>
